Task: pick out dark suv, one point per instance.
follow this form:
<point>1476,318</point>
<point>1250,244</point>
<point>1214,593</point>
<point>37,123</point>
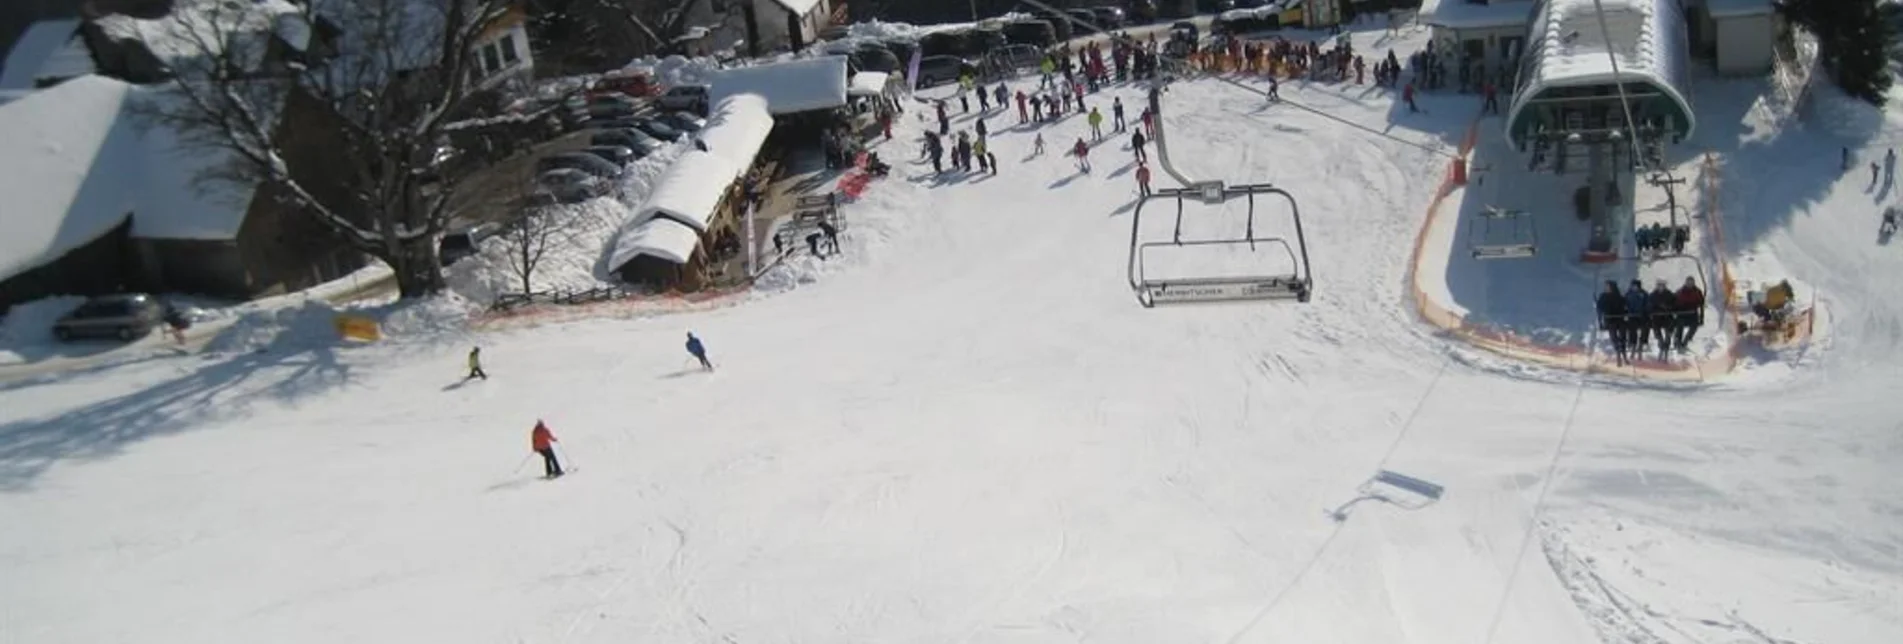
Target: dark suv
<point>127,317</point>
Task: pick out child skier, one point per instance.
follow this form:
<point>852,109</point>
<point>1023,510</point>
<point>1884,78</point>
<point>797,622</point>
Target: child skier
<point>543,442</point>
<point>475,364</point>
<point>699,351</point>
<point>1037,145</point>
<point>1143,179</point>
<point>1082,150</point>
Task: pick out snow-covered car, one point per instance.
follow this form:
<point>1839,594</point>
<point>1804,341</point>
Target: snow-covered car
<point>463,242</point>
<point>632,139</point>
<point>692,98</point>
<point>616,154</point>
<point>581,161</point>
<point>683,121</point>
<point>126,316</point>
<point>570,186</point>
<point>658,129</point>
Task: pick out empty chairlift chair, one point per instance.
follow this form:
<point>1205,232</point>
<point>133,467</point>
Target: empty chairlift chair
<point>1499,233</point>
<point>1276,269</point>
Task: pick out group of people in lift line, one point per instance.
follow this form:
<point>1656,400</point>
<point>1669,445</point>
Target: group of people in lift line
<point>1635,319</point>
<point>541,439</point>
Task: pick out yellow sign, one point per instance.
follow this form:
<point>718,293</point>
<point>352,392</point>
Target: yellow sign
<point>357,327</point>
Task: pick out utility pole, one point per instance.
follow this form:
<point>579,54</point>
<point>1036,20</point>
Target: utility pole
<point>1671,196</point>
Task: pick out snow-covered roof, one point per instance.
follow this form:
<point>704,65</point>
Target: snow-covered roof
<point>74,163</point>
<point>1460,14</point>
<point>74,59</point>
<point>1647,39</point>
<point>736,128</point>
<point>195,29</point>
<point>63,182</point>
<point>660,237</point>
<point>1738,8</point>
<point>789,87</point>
<point>686,195</point>
<point>690,190</point>
<point>42,41</point>
<point>868,83</point>
<point>1567,48</point>
<point>797,7</point>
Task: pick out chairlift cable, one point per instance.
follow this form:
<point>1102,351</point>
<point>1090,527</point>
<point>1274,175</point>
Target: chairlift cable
<point>1157,86</point>
<point>1546,482</point>
<point>1625,105</point>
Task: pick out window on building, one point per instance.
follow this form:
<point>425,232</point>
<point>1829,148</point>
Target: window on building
<point>491,59</point>
<point>507,44</point>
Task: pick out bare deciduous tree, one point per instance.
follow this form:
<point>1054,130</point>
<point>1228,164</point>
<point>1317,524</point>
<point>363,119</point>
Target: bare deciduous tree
<point>528,239</point>
<point>364,85</point>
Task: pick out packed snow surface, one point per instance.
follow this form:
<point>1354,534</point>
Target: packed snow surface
<point>964,429</point>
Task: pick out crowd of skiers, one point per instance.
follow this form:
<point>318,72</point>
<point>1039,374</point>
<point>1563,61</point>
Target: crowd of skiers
<point>1636,319</point>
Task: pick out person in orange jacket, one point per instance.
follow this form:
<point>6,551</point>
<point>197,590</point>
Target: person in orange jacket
<point>543,441</point>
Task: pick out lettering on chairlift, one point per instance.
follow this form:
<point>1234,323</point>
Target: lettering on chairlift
<point>1267,288</point>
<point>1503,252</point>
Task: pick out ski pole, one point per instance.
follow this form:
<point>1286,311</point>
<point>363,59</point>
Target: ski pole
<point>519,464</point>
<point>565,458</point>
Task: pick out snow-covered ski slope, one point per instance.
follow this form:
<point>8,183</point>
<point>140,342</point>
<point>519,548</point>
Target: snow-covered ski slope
<point>967,430</point>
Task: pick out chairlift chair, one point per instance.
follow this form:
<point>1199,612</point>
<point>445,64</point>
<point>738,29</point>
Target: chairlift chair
<point>1296,284</point>
<point>1503,234</point>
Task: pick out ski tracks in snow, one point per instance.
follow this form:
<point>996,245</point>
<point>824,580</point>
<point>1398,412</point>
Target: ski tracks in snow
<point>1617,616</point>
<point>1015,594</point>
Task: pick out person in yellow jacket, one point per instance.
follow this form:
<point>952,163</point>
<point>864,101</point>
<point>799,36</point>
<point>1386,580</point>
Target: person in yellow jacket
<point>1776,298</point>
<point>475,364</point>
<point>1096,124</point>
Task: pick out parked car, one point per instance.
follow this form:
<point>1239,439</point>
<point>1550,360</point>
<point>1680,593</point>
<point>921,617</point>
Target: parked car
<point>900,47</point>
<point>615,154</point>
<point>692,98</point>
<point>1017,57</point>
<point>607,111</point>
<point>634,84</point>
<point>127,316</point>
<point>582,161</point>
<point>658,129</point>
<point>873,57</point>
<point>936,70</point>
<point>1036,33</point>
<point>570,186</point>
<point>463,242</point>
<point>1087,21</point>
<point>1142,12</point>
<point>637,141</point>
<point>624,123</point>
<point>683,121</point>
<point>1108,17</point>
<point>1185,29</point>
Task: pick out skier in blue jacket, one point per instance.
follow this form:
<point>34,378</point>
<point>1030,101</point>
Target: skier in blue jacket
<point>699,351</point>
<point>1638,312</point>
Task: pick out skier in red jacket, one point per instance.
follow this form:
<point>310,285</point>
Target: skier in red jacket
<point>543,442</point>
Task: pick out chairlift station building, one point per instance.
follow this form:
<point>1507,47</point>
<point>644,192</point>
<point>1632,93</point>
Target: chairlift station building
<point>1600,87</point>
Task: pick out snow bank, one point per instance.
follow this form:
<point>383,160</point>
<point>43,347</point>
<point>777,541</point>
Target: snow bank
<point>880,30</point>
<point>312,323</point>
<point>30,325</point>
<point>675,70</point>
<point>576,254</point>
